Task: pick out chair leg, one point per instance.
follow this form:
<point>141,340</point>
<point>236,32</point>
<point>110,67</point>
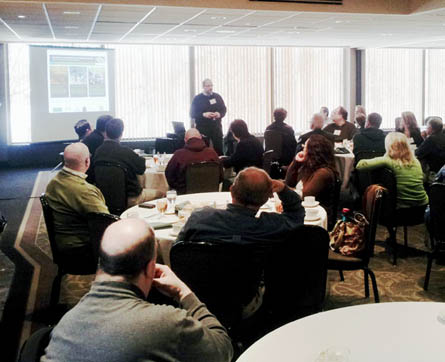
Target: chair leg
<point>405,236</point>
<point>55,291</point>
<point>392,245</point>
<point>342,277</point>
<point>428,271</point>
<point>365,274</point>
<point>374,285</point>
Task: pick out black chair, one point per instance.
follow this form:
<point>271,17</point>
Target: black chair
<point>35,345</point>
<point>391,217</point>
<point>202,177</point>
<point>367,155</point>
<point>111,179</point>
<point>340,262</point>
<point>74,267</point>
<point>295,275</point>
<point>334,203</point>
<point>274,141</point>
<point>436,226</point>
<point>97,223</point>
<point>225,276</point>
<point>165,145</point>
<point>268,158</point>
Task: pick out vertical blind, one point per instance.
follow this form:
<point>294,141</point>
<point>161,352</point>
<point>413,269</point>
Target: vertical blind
<point>241,75</point>
<point>306,79</point>
<point>394,83</point>
<point>435,83</point>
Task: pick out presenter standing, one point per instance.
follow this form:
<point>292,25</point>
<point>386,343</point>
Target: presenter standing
<point>207,110</point>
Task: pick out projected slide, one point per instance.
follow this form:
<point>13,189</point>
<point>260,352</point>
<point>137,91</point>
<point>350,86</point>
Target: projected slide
<point>77,81</point>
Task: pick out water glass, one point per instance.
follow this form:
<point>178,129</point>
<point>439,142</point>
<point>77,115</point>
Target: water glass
<point>161,205</point>
<point>171,198</point>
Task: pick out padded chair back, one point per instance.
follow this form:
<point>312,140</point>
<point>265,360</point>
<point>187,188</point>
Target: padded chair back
<point>35,345</point>
<point>268,157</point>
<point>372,204</point>
<point>334,203</point>
<point>50,228</point>
<point>386,178</point>
<point>274,141</point>
<point>367,155</point>
<point>97,223</point>
<point>224,276</point>
<point>202,177</point>
<point>167,145</point>
<point>295,274</point>
<point>111,179</point>
<point>437,211</point>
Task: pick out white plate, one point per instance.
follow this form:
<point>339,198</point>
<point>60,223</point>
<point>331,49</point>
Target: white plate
<point>315,204</point>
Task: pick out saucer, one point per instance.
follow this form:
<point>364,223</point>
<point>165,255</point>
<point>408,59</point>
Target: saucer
<point>312,218</point>
<point>305,204</point>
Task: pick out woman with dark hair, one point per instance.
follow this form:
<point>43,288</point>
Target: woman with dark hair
<point>411,129</point>
<point>315,168</point>
<point>249,151</point>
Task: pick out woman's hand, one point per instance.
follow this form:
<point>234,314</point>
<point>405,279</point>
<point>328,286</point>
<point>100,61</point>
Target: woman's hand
<point>300,157</point>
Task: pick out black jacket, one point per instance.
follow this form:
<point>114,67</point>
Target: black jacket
<point>289,143</point>
<point>303,138</point>
<point>432,151</point>
<point>248,152</point>
<point>112,151</point>
<point>203,103</point>
<point>369,140</point>
<point>93,141</point>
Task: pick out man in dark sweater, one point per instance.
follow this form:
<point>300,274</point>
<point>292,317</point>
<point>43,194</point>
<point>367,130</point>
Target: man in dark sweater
<point>317,124</point>
<point>113,322</point>
<point>207,110</point>
<point>195,150</point>
<point>96,138</point>
<point>289,143</point>
<point>341,128</point>
<point>113,151</point>
<point>431,152</point>
<point>370,138</point>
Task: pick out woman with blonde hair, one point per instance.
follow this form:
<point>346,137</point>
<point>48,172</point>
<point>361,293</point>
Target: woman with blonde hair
<point>407,169</point>
<point>410,128</point>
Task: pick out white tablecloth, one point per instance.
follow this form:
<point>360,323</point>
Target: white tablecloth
<point>154,179</point>
<point>389,332</point>
<point>345,165</point>
<point>220,199</point>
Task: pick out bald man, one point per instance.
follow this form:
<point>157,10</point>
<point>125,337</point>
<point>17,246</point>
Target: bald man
<point>317,123</point>
<point>115,323</point>
<point>195,150</point>
<point>72,198</point>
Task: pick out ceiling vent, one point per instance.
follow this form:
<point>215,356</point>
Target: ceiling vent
<point>319,2</point>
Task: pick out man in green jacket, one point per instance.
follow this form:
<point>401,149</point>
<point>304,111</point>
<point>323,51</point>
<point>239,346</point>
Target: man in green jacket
<point>71,198</point>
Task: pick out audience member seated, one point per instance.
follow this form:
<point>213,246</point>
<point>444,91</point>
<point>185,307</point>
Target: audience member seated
<point>324,111</point>
<point>238,223</point>
<point>195,150</point>
<point>431,152</point>
<point>82,129</point>
<point>289,143</point>
<point>411,129</point>
<point>398,123</point>
<point>314,168</point>
<point>114,322</point>
<point>112,151</point>
<point>249,151</point>
<point>96,138</point>
<point>341,128</point>
<point>371,138</point>
<point>71,198</point>
<point>407,169</point>
<point>360,121</point>
<point>317,123</point>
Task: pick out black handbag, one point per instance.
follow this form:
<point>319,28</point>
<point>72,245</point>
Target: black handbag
<point>3,223</point>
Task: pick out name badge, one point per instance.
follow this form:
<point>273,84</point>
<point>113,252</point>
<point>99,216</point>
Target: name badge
<point>337,132</point>
<point>212,101</point>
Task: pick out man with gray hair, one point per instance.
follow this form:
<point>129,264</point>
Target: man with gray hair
<point>431,153</point>
<point>207,111</point>
<point>71,198</point>
<point>317,123</point>
<point>113,322</point>
<point>195,150</point>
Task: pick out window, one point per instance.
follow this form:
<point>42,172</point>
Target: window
<point>306,79</point>
<point>241,75</point>
<point>394,83</point>
<point>435,83</point>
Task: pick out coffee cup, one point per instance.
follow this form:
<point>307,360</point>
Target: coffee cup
<point>309,200</point>
<point>312,213</point>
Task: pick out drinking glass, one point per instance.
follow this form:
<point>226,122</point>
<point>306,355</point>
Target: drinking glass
<point>171,198</point>
<point>161,205</point>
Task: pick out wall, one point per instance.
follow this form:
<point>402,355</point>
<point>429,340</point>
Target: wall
<point>3,103</point>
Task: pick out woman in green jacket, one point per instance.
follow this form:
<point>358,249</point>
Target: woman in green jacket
<point>407,169</point>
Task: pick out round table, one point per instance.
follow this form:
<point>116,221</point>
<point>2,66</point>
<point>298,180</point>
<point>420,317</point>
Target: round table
<point>218,199</point>
<point>396,332</point>
<point>344,162</point>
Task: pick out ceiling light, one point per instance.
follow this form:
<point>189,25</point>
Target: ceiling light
<point>385,34</point>
<point>21,16</point>
<point>292,32</point>
<point>71,12</point>
<point>71,27</point>
<point>226,31</point>
<point>338,21</point>
<point>218,17</point>
<point>189,30</point>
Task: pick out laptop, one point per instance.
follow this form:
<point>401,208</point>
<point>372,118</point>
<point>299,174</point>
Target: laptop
<point>179,128</point>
